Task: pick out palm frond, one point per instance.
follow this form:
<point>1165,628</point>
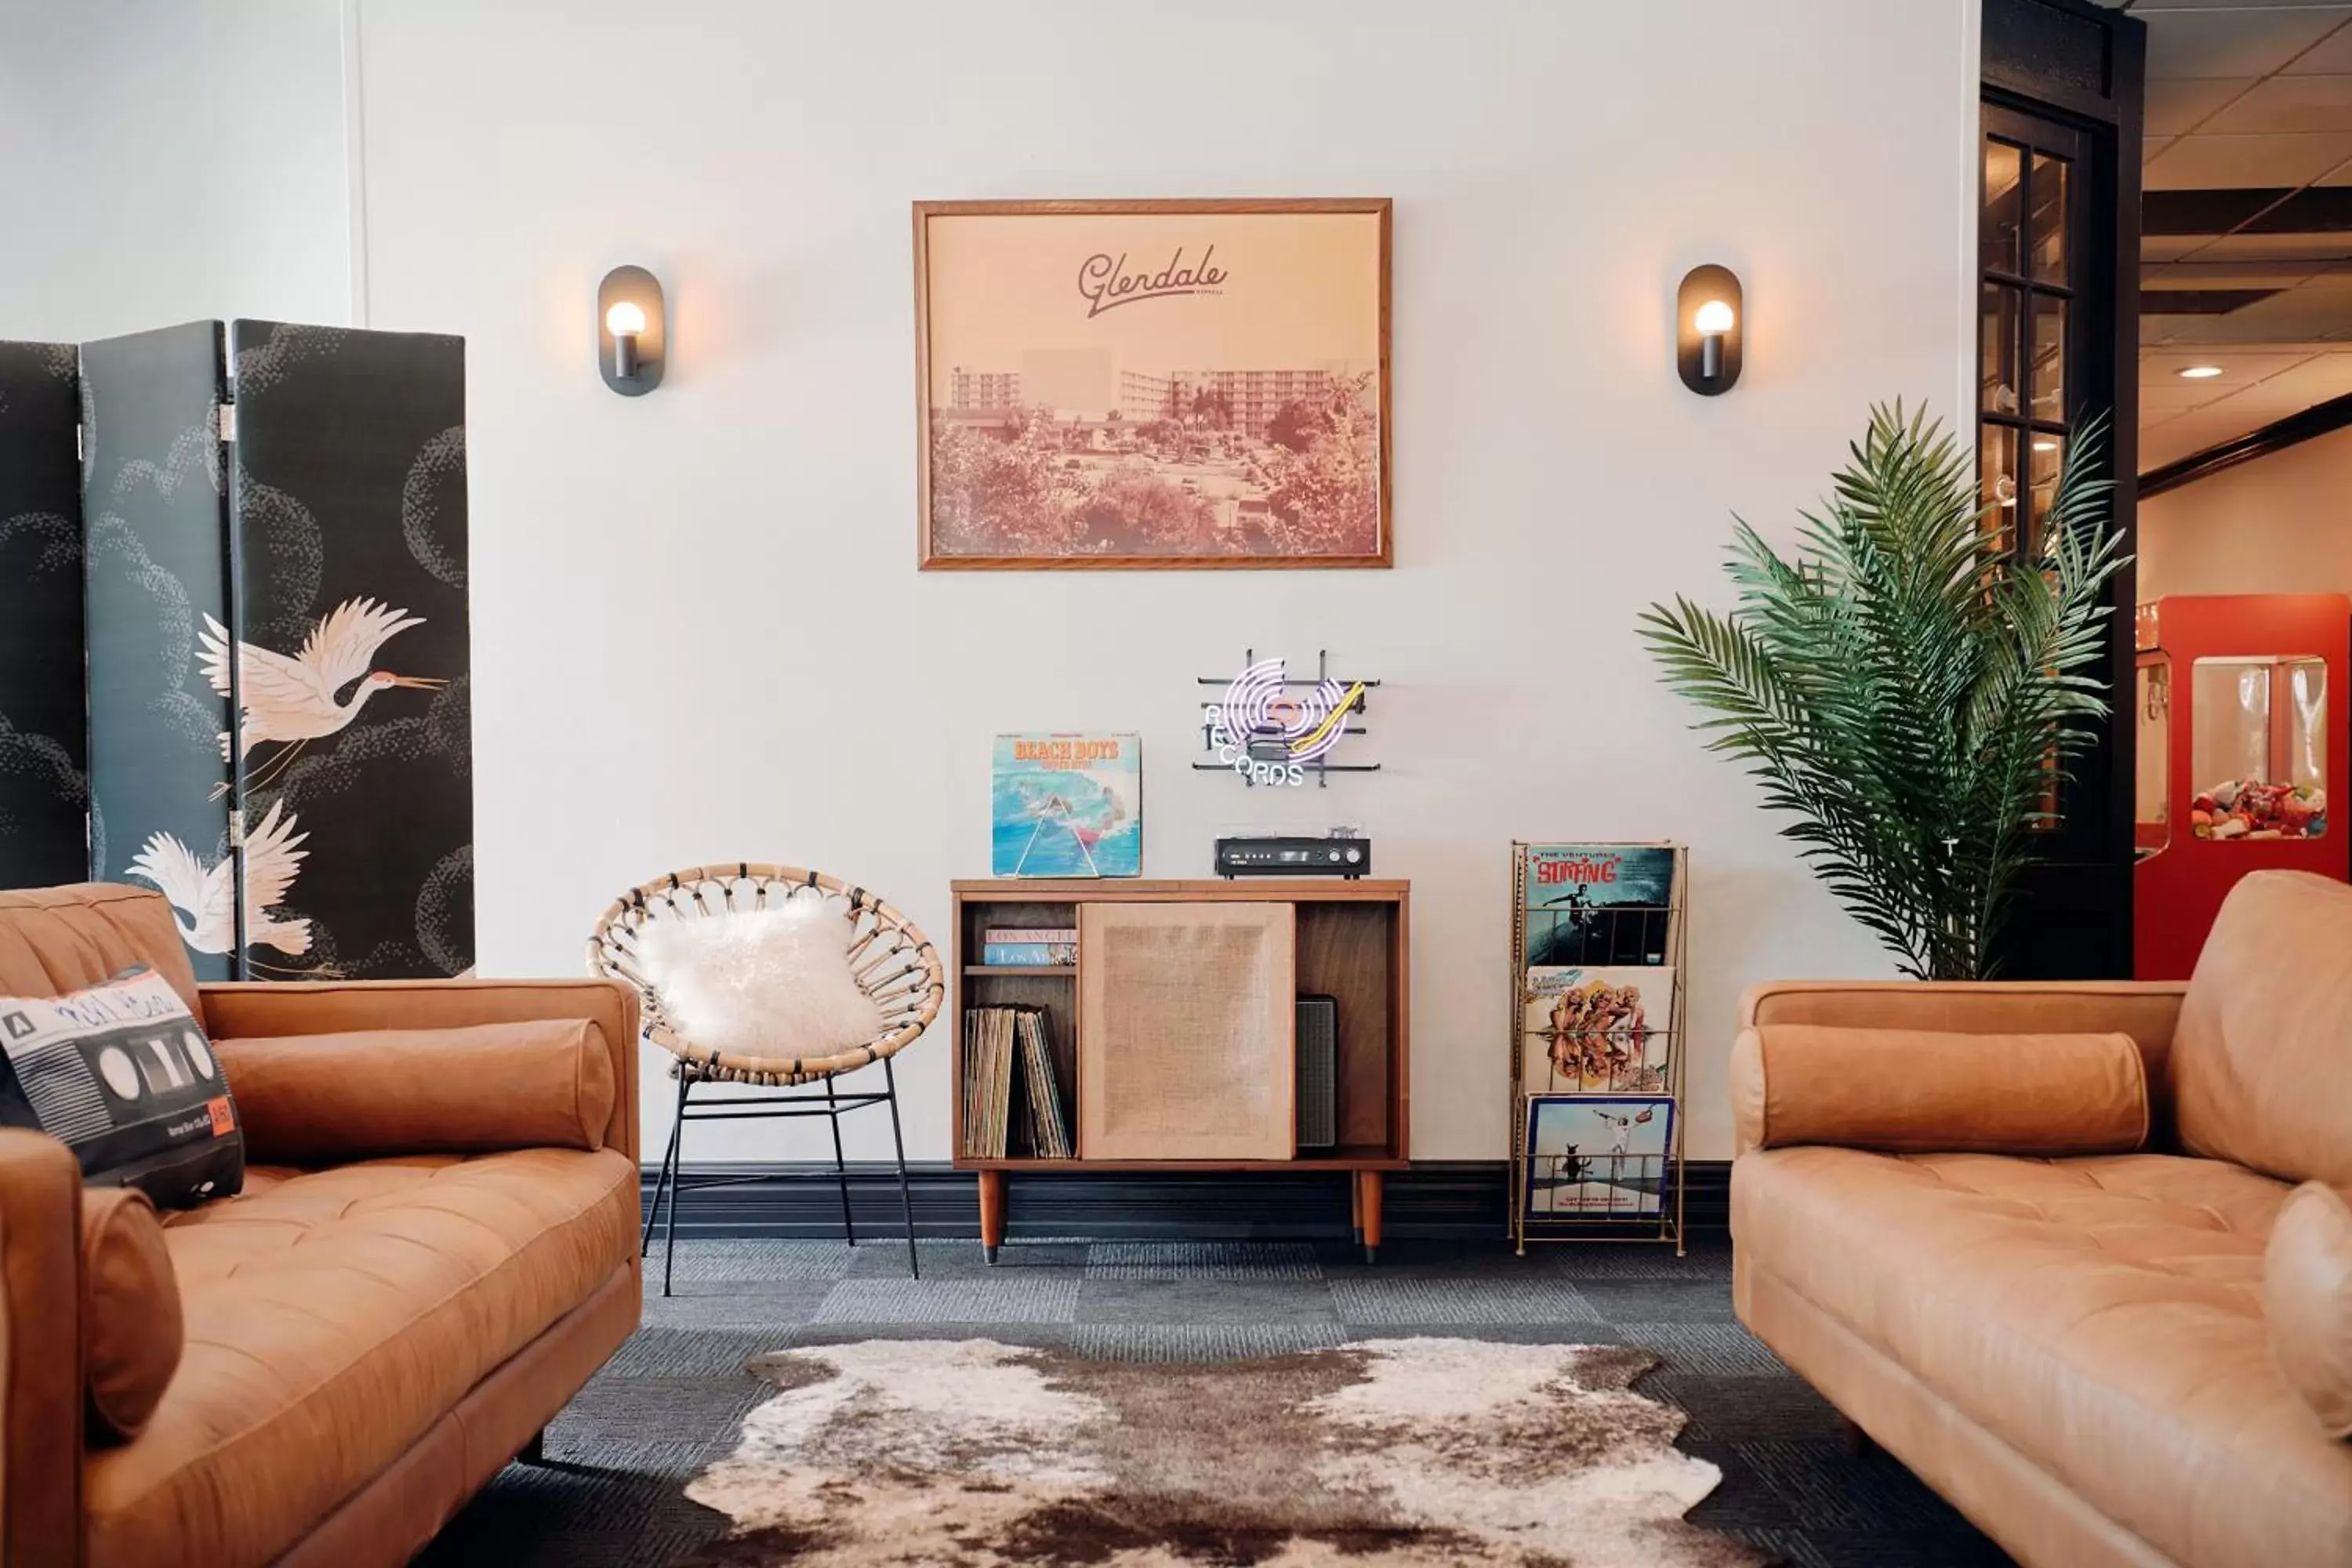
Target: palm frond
<point>1904,690</point>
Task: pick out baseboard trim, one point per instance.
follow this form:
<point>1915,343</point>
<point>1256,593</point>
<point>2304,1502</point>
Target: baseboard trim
<point>1453,1200</point>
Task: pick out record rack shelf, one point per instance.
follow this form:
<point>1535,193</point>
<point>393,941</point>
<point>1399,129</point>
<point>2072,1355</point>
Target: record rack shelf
<point>1585,1077</point>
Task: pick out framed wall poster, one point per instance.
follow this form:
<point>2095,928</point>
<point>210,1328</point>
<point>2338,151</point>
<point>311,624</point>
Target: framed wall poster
<point>1597,1158</point>
<point>1152,383</point>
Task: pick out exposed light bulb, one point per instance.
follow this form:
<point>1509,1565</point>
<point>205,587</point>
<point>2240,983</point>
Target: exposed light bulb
<point>1713,317</point>
<point>626,319</point>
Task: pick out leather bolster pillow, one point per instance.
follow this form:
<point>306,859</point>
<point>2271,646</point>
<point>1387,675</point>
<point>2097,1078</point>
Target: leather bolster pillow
<point>2307,1301</point>
<point>133,1334</point>
<point>311,1098</point>
<point>1926,1090</point>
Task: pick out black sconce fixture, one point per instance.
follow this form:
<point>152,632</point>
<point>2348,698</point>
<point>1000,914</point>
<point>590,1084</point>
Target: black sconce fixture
<point>1708,327</point>
<point>632,331</point>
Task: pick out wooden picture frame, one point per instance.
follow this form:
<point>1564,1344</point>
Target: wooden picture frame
<point>1172,384</point>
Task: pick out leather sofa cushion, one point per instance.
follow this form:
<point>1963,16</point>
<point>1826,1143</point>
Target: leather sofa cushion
<point>131,1330</point>
<point>332,1317</point>
<point>311,1098</point>
<point>2262,1062</point>
<point>56,940</point>
<point>2307,1293</point>
<point>1928,1090</point>
<point>2102,1317</point>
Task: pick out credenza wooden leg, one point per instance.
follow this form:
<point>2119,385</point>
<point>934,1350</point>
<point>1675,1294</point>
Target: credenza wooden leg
<point>991,1213</point>
<point>1368,1212</point>
<point>1356,1203</point>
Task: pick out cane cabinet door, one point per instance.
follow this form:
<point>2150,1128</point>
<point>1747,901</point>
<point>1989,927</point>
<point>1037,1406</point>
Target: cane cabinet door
<point>1187,1014</point>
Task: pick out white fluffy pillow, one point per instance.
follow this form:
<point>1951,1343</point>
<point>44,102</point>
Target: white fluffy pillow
<point>772,983</point>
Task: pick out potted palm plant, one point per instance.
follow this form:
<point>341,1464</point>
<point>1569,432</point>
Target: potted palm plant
<point>1909,685</point>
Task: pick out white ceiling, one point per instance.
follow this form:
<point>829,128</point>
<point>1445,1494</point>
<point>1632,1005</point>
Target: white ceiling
<point>2244,96</point>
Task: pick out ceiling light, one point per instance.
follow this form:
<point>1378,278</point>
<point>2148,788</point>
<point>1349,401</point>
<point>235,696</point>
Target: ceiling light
<point>2045,446</point>
<point>2199,371</point>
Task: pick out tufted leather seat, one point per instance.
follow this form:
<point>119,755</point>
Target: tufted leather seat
<point>332,1317</point>
<point>368,1339</point>
<point>2103,1318</point>
<point>2074,1350</point>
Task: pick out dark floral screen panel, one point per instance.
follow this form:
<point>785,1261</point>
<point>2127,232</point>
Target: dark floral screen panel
<point>43,739</point>
<point>156,539</point>
<point>348,507</point>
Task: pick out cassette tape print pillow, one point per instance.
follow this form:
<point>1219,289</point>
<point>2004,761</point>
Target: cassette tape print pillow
<point>122,1074</point>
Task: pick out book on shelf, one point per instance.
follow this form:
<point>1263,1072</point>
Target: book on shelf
<point>1012,1091</point>
<point>1002,954</point>
<point>1068,934</point>
<point>1599,904</point>
<point>1049,1127</point>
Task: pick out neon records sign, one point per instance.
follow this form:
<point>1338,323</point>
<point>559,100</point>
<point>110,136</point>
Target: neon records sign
<point>1273,732</point>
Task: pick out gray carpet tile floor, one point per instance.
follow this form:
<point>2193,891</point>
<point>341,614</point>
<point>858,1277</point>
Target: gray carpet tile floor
<point>674,1397</point>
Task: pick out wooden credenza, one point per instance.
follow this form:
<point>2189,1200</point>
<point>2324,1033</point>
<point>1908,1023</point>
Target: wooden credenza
<point>1174,1036</point>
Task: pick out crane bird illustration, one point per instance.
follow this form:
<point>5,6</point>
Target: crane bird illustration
<point>204,898</point>
<point>292,700</point>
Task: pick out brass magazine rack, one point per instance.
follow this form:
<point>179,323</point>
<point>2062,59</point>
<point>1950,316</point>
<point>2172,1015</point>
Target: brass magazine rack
<point>1597,1059</point>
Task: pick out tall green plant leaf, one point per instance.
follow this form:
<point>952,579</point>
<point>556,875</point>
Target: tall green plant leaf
<point>1906,689</point>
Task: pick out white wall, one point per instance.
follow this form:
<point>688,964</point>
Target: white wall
<point>699,630</point>
<point>2279,524</point>
<point>165,161</point>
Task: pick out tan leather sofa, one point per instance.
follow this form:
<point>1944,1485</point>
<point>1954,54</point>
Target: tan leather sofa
<point>2032,1262</point>
<point>437,1245</point>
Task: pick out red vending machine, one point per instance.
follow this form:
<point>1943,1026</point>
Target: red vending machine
<point>2243,733</point>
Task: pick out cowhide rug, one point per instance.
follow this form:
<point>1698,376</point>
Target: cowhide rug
<point>1380,1454</point>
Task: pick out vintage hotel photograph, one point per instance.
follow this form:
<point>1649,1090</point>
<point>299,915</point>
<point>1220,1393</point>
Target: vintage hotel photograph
<point>1140,383</point>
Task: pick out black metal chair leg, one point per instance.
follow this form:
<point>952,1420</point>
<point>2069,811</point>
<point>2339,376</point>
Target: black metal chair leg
<point>662,1180</point>
<point>670,1221</point>
<point>905,1193</point>
<point>840,1165</point>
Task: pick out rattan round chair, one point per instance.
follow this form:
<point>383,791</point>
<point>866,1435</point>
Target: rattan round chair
<point>893,963</point>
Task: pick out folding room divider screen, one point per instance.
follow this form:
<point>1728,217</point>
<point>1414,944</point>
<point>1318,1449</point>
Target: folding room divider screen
<point>44,743</point>
<point>266,584</point>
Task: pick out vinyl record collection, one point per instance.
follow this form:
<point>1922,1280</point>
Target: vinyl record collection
<point>1596,1041</point>
<point>1012,1090</point>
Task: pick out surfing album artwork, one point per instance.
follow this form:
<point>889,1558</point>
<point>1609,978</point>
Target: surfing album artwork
<point>1599,904</point>
<point>1066,805</point>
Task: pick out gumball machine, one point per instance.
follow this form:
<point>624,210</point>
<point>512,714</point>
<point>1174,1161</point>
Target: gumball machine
<point>2242,734</point>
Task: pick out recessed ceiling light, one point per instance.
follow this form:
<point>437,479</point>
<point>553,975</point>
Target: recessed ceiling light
<point>2199,371</point>
<point>2045,446</point>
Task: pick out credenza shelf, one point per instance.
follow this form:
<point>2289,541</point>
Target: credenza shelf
<point>1340,1159</point>
<point>1350,942</point>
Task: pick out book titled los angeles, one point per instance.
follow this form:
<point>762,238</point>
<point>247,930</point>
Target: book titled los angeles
<point>1599,905</point>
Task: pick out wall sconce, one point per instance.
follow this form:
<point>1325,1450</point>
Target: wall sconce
<point>631,333</point>
<point>1708,327</point>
